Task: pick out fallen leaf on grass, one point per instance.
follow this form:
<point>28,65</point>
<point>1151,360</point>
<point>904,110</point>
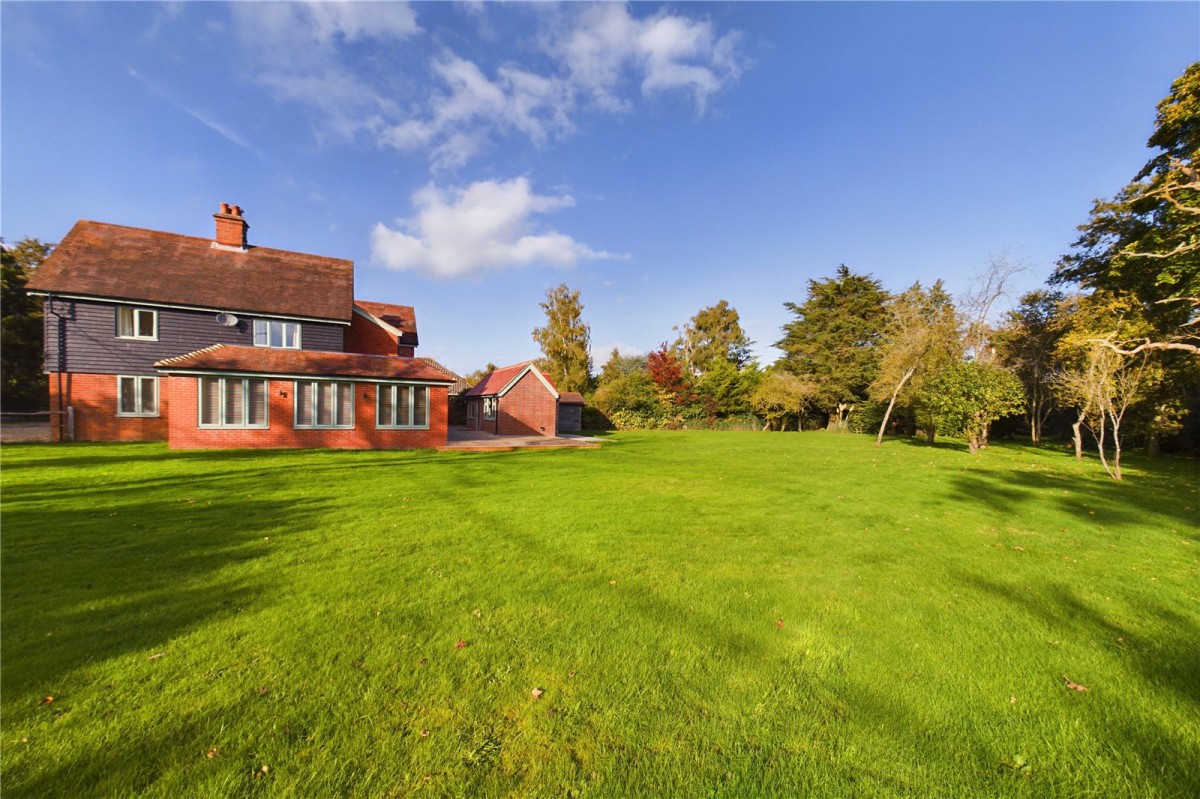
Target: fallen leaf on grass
<point>536,693</point>
<point>262,690</point>
<point>461,644</point>
<point>779,623</point>
<point>156,655</point>
<point>262,772</point>
<point>1074,686</point>
<point>211,753</point>
<point>46,700</point>
<point>612,582</point>
<point>424,733</point>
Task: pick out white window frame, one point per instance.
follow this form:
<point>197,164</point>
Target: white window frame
<point>139,400</point>
<point>382,424</point>
<point>311,387</point>
<point>267,325</point>
<point>134,313</point>
<point>222,424</point>
<point>490,405</point>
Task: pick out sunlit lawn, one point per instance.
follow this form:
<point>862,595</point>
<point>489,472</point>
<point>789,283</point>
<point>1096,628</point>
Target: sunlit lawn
<point>704,614</point>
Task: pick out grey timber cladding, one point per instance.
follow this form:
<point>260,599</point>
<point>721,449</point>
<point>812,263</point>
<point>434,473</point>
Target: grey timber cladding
<point>92,345</point>
<point>570,418</point>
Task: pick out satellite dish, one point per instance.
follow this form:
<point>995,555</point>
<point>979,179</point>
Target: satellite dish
<point>227,320</point>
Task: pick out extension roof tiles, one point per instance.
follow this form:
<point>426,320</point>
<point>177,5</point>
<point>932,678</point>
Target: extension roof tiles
<point>496,383</point>
<point>571,398</point>
<point>401,319</point>
<point>305,363</point>
<point>97,259</point>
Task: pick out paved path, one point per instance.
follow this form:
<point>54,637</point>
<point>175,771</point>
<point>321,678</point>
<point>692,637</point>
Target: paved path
<point>460,438</point>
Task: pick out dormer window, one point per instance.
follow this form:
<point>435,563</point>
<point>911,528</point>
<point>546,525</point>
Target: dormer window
<point>137,323</point>
<point>277,333</point>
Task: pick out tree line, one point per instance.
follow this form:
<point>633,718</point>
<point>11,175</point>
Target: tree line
<point>1107,350</point>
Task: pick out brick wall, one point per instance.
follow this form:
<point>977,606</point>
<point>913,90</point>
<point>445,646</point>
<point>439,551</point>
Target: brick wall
<point>94,400</point>
<point>369,338</point>
<point>528,409</point>
<point>185,432</point>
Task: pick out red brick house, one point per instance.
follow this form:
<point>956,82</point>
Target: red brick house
<point>216,343</point>
<point>518,400</point>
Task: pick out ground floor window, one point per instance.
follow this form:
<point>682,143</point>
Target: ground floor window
<point>402,406</point>
<point>233,402</point>
<point>137,396</point>
<point>321,403</point>
<point>489,408</point>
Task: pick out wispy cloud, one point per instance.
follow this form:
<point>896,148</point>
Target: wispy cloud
<point>215,126</point>
<point>469,231</point>
<point>590,58</point>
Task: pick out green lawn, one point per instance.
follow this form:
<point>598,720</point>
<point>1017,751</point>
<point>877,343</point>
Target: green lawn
<point>705,614</point>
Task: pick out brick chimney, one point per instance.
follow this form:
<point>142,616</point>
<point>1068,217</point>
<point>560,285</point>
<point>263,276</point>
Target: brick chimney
<point>231,227</point>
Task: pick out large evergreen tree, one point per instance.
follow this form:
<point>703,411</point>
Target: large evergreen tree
<point>23,384</point>
<point>833,341</point>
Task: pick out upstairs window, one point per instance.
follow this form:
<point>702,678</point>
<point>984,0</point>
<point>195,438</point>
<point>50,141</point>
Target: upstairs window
<point>324,404</point>
<point>137,323</point>
<point>277,333</point>
<point>137,396</point>
<point>402,407</point>
<point>233,402</point>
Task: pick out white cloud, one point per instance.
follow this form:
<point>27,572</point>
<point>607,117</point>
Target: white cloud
<point>297,48</point>
<point>596,58</point>
<point>487,226</point>
<point>668,52</point>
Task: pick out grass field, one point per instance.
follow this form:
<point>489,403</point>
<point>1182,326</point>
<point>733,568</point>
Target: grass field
<point>704,614</point>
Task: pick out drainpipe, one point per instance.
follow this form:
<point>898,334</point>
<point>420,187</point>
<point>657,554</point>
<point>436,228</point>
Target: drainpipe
<point>62,363</point>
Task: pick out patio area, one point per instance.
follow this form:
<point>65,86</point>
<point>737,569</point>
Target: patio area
<point>461,439</point>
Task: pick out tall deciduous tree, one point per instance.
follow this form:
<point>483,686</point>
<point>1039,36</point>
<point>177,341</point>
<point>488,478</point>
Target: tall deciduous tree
<point>1145,241</point>
<point>21,346</point>
<point>833,341</point>
<point>714,335</point>
<point>1102,383</point>
<point>920,336</point>
<point>565,340</point>
<point>1026,344</point>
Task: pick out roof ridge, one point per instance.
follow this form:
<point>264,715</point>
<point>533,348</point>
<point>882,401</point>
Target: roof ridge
<point>210,240</point>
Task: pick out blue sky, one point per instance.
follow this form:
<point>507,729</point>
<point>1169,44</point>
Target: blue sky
<point>658,158</point>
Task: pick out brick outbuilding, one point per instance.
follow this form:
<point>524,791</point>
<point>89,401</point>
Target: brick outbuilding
<point>518,400</point>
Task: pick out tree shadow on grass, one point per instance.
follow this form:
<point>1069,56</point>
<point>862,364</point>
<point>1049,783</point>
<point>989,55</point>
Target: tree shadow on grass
<point>1093,498</point>
<point>1164,653</point>
<point>125,572</point>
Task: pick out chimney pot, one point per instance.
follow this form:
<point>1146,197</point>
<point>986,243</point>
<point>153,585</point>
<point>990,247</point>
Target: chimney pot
<point>231,227</point>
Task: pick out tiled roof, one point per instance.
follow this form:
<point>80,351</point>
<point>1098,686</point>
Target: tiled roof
<point>571,398</point>
<point>96,259</point>
<point>460,382</point>
<point>496,382</point>
<point>269,361</point>
<point>401,317</point>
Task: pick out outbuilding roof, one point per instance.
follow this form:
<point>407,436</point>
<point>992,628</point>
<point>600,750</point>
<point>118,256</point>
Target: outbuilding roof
<point>96,259</point>
<point>308,363</point>
<point>502,379</point>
